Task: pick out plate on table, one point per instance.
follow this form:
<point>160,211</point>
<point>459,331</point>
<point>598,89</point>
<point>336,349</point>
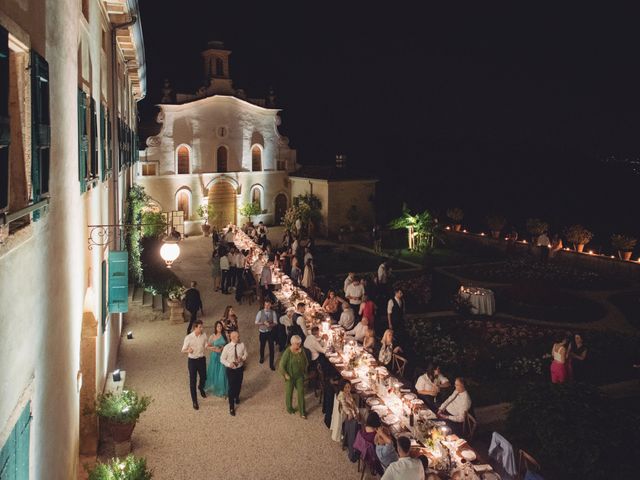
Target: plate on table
<point>483,468</point>
<point>468,455</point>
<point>348,373</point>
<point>362,386</point>
<point>373,401</point>
<point>409,396</point>
<point>390,419</point>
<point>380,409</point>
<point>417,402</point>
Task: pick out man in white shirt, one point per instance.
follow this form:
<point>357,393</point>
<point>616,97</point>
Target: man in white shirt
<point>427,388</point>
<point>267,319</point>
<point>195,346</point>
<point>383,274</point>
<point>455,408</point>
<point>347,318</point>
<point>266,281</point>
<point>314,344</point>
<point>229,236</point>
<point>360,330</point>
<point>405,468</point>
<point>224,274</point>
<point>347,281</point>
<point>543,243</point>
<point>233,356</point>
<point>354,294</point>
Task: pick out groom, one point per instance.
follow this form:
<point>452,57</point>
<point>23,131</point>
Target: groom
<point>195,346</point>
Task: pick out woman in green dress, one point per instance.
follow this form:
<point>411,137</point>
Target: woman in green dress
<point>293,367</point>
<point>217,383</point>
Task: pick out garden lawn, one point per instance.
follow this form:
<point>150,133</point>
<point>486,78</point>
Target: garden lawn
<point>333,260</point>
<point>445,256</point>
<point>629,303</point>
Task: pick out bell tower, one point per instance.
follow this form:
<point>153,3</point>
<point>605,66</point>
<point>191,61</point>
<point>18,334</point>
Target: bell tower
<point>216,69</point>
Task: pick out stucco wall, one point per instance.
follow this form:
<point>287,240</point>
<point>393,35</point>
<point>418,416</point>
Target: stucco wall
<point>344,194</point>
<point>320,188</point>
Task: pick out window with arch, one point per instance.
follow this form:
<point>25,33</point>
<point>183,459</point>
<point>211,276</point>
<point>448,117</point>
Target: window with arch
<point>256,197</point>
<point>256,159</point>
<point>183,159</point>
<point>183,202</point>
<point>221,157</point>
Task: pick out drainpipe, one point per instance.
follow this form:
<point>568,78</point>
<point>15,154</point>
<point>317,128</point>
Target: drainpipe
<point>115,169</point>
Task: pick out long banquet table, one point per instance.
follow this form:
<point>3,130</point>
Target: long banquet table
<point>399,407</point>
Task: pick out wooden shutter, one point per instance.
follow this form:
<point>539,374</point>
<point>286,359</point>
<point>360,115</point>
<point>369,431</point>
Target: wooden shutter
<point>118,281</point>
<point>83,140</point>
<point>5,132</point>
<point>103,296</point>
<point>14,454</point>
<point>40,127</point>
<point>93,119</point>
<point>103,143</point>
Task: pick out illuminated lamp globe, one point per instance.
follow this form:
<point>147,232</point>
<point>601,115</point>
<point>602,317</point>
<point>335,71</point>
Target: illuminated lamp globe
<point>169,252</point>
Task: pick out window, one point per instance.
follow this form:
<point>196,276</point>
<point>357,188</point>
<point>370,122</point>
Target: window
<point>281,165</point>
<point>83,142</point>
<point>183,160</point>
<point>103,296</point>
<point>219,67</point>
<point>256,159</point>
<point>5,129</point>
<point>222,132</point>
<point>41,134</point>
<point>14,454</point>
<point>104,147</point>
<point>183,202</point>
<point>148,169</point>
<point>256,197</point>
<point>221,156</point>
<point>93,122</point>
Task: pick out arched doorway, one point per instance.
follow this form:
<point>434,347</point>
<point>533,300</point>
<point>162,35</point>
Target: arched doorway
<point>182,203</point>
<point>183,160</point>
<point>281,207</point>
<point>222,197</point>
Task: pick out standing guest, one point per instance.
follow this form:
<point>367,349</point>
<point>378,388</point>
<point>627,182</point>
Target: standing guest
<point>359,331</point>
<point>578,358</point>
<point>368,309</point>
<point>559,360</point>
<point>369,341</point>
<point>298,225</point>
<point>217,383</point>
<point>239,259</point>
<point>395,315</point>
<point>193,303</point>
<point>385,447</point>
<point>331,305</point>
<point>307,255</point>
<point>195,346</point>
<point>267,319</point>
<point>383,274</point>
<point>215,270</point>
<point>262,234</point>
<point>354,294</point>
<point>347,281</point>
<point>224,272</point>
<point>405,468</point>
<point>308,277</point>
<point>455,408</point>
<point>229,324</point>
<point>427,388</point>
<point>314,344</point>
<point>299,323</point>
<point>296,273</point>
<point>266,281</point>
<point>233,356</point>
<point>543,243</point>
<point>229,236</point>
<point>347,319</point>
<point>233,267</point>
<point>286,322</point>
<point>293,367</point>
<point>287,239</point>
<point>386,348</point>
<point>295,246</point>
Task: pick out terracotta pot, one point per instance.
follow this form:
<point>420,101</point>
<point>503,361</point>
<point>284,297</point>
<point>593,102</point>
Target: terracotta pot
<point>624,255</point>
<point>121,432</point>
<point>579,247</point>
<point>457,227</point>
<point>206,229</point>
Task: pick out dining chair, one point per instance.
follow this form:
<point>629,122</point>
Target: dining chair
<point>469,426</point>
<point>399,364</point>
<point>525,463</point>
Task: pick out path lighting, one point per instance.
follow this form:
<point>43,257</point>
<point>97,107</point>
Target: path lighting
<point>129,335</point>
<point>116,375</point>
<point>170,251</point>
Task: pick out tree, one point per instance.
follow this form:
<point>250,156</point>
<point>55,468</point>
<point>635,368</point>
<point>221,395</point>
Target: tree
<point>421,228</point>
<point>250,210</point>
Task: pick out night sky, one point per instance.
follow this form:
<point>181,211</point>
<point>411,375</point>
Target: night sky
<point>504,109</point>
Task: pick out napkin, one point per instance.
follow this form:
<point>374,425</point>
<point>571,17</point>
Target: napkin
<point>482,468</point>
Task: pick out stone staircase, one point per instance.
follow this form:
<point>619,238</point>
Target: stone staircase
<point>142,299</point>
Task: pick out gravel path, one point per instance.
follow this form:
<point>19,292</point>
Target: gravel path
<point>261,442</point>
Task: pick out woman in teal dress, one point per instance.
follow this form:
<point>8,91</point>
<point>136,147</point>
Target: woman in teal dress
<point>217,383</point>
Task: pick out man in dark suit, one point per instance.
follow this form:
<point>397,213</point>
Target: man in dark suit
<point>193,303</point>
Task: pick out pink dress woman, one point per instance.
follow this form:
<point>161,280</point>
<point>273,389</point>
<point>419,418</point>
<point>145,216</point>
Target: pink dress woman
<point>559,372</point>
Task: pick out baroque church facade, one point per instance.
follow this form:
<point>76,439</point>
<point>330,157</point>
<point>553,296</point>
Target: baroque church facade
<point>219,148</point>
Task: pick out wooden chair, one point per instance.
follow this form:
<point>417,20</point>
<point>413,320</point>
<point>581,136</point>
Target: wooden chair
<point>469,426</point>
<point>526,462</point>
<point>399,363</point>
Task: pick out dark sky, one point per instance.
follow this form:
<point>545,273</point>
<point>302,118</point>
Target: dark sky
<point>500,101</point>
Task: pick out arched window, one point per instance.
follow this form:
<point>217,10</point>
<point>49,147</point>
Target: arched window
<point>256,159</point>
<point>256,197</point>
<point>219,67</point>
<point>183,160</point>
<point>183,202</point>
<point>281,207</point>
<point>221,157</point>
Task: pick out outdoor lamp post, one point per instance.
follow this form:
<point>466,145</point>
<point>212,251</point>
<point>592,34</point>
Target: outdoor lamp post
<point>169,251</point>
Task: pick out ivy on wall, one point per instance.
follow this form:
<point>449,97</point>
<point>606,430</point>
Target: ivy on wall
<point>137,199</point>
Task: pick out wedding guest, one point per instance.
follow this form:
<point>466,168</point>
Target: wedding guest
<point>233,267</point>
<point>331,305</point>
<point>559,360</point>
<point>229,320</point>
<point>307,254</point>
<point>578,358</point>
<point>266,281</point>
<point>293,367</point>
<point>360,330</point>
<point>267,319</point>
<point>347,318</point>
<point>384,272</point>
<point>215,270</point>
<point>308,277</point>
<point>406,467</point>
<point>354,294</point>
<point>299,323</point>
<point>368,309</point>
<point>385,447</point>
<point>286,322</point>
<point>217,383</point>
<point>369,341</point>
<point>224,272</point>
<point>395,317</point>
<point>455,408</point>
<point>364,443</point>
<point>426,387</point>
<point>193,303</point>
<point>233,356</point>
<point>315,345</point>
<point>543,243</point>
<point>195,346</point>
<point>296,273</point>
<point>348,281</point>
<point>387,349</point>
<point>262,234</point>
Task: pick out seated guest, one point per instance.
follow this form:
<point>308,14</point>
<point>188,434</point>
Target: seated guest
<point>347,318</point>
<point>369,342</point>
<point>405,468</point>
<point>313,343</point>
<point>364,442</point>
<point>454,408</point>
<point>331,305</point>
<point>360,330</point>
<point>346,424</point>
<point>387,349</point>
<point>385,447</point>
<point>427,388</point>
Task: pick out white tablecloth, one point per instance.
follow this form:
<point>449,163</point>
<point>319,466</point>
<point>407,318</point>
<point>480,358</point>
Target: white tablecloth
<point>481,299</point>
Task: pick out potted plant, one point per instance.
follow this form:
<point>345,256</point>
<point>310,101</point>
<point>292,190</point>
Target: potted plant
<point>536,227</point>
<point>456,215</point>
<point>129,468</point>
<point>250,210</point>
<point>496,224</point>
<point>624,245</point>
<point>578,236</point>
<point>175,295</point>
<point>120,412</point>
<point>205,212</point>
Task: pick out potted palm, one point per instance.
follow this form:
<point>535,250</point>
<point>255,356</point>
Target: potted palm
<point>129,468</point>
<point>578,236</point>
<point>536,227</point>
<point>496,224</point>
<point>120,412</point>
<point>624,245</point>
<point>205,212</point>
<point>456,215</point>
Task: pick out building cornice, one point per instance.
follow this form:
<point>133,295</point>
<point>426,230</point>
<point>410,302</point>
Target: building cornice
<point>176,107</point>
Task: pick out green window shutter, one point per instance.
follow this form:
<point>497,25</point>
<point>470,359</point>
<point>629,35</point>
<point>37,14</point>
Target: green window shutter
<point>40,126</point>
<point>14,454</point>
<point>103,142</point>
<point>120,145</point>
<point>118,281</point>
<point>136,150</point>
<point>109,146</point>
<point>103,296</point>
<point>5,132</point>
<point>93,119</point>
<point>83,140</point>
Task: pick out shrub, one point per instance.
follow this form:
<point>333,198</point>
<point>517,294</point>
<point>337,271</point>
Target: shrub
<point>205,212</point>
<point>578,235</point>
<point>455,214</point>
<point>623,243</point>
<point>250,210</point>
<point>154,224</point>
<point>122,407</point>
<point>129,468</point>
<point>535,226</point>
<point>496,222</point>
